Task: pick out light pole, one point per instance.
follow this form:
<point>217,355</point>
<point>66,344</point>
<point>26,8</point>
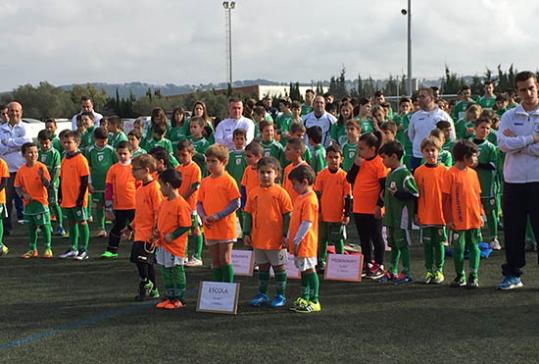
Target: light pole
<point>409,13</point>
<point>229,5</point>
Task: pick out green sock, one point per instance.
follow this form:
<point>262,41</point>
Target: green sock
<point>458,253</point>
<point>57,211</point>
<point>314,284</point>
<point>405,254</point>
<point>180,282</point>
<point>426,241</point>
<point>33,236</point>
<point>228,273</point>
<point>46,229</point>
<point>89,207</point>
<point>322,251</point>
<point>1,234</point>
<point>280,282</point>
<point>217,274</point>
<point>74,235</point>
<point>84,235</point>
<point>168,280</point>
<point>394,264</point>
<point>339,247</point>
<point>263,281</point>
<point>474,254</point>
<point>100,217</point>
<point>305,290</point>
<point>199,244</point>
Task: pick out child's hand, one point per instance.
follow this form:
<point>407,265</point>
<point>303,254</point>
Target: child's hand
<point>378,212</point>
<point>346,220</point>
<point>247,240</point>
<point>169,238</point>
<point>206,222</point>
<point>358,161</point>
<point>296,248</point>
<point>126,233</point>
<point>155,235</point>
<point>91,188</point>
<point>26,196</point>
<point>109,214</point>
<point>450,226</point>
<point>195,231</point>
<point>212,218</point>
<point>416,219</point>
<point>508,133</point>
<point>40,172</point>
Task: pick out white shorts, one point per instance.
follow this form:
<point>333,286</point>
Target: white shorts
<point>216,242</point>
<point>273,257</point>
<point>305,263</point>
<point>166,259</point>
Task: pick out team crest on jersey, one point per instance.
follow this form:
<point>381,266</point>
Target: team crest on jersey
<point>43,158</point>
<point>351,154</point>
<point>238,161</point>
<point>100,157</point>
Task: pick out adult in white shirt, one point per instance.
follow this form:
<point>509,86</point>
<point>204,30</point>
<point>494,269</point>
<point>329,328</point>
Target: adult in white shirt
<point>320,117</point>
<point>518,137</point>
<point>423,122</point>
<point>86,105</point>
<point>236,120</point>
<point>13,135</point>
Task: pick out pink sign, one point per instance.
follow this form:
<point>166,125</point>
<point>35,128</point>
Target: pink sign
<point>344,267</point>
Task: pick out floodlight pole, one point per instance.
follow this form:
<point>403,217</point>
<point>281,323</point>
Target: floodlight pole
<point>410,91</point>
<point>229,5</point>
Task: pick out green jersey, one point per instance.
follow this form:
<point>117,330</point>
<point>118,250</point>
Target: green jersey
<point>403,121</point>
<point>500,112</point>
<point>399,212</point>
<point>236,165</point>
<point>486,168</point>
<point>487,103</point>
<point>99,161</point>
<point>87,139</point>
<point>462,129</point>
<point>165,143</point>
<point>176,135</point>
<point>114,139</point>
<point>337,132</point>
<point>273,149</point>
<point>52,159</point>
<point>201,145</point>
<point>349,151</point>
<point>366,126</point>
<point>57,144</point>
<point>305,109</point>
<point>138,152</point>
<point>283,122</point>
<point>460,109</point>
<point>491,137</point>
<point>318,160</point>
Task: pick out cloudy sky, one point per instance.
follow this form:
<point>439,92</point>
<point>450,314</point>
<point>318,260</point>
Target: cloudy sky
<point>183,41</point>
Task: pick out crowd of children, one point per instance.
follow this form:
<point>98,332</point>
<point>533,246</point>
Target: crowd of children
<point>171,190</point>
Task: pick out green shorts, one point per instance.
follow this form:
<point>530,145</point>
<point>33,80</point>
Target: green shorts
<point>3,211</point>
<point>52,193</point>
<point>37,214</point>
<point>397,237</point>
<point>330,231</point>
<point>463,237</point>
<point>75,214</point>
<point>98,197</point>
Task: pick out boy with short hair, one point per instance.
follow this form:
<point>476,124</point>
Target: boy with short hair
<point>31,183</point>
<point>295,148</point>
<point>4,176</point>
<point>400,195</point>
<point>266,220</point>
<point>219,198</point>
<point>303,238</point>
<point>236,157</point>
<point>50,157</point>
<point>445,157</point>
<point>271,147</point>
<point>74,174</point>
<point>148,198</point>
<point>446,128</point>
<point>158,138</point>
<point>389,128</point>
<point>335,200</point>
<point>85,128</point>
<point>50,125</point>
<point>173,223</point>
<point>430,179</point>
<point>297,130</point>
<point>134,137</point>
<point>201,144</point>
<point>284,118</point>
<point>191,178</point>
<point>349,149</point>
<point>318,160</point>
<point>101,157</point>
<point>464,212</point>
<point>119,197</point>
<point>115,129</point>
<point>487,173</point>
<point>163,159</point>
<point>253,153</point>
<point>259,115</point>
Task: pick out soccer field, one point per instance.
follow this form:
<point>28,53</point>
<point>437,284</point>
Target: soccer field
<point>69,311</point>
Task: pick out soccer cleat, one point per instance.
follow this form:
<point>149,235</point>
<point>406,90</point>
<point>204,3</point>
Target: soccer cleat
<point>473,282</point>
<point>278,301</point>
<point>259,300</point>
<point>70,253</point>
<point>82,255</point>
<point>509,282</point>
<point>459,281</point>
<point>429,277</point>
<point>163,303</point>
<point>48,254</point>
<point>174,305</point>
<point>402,278</point>
<point>21,221</point>
<point>30,254</point>
<point>388,277</point>
<point>142,291</point>
<point>60,232</point>
<point>299,302</point>
<point>321,267</point>
<point>109,255</point>
<point>154,294</point>
<point>194,262</point>
<point>101,234</point>
<point>438,278</point>
<point>378,274</point>
<point>309,308</point>
<point>4,250</point>
<point>495,244</point>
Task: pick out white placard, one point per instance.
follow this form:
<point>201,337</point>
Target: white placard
<point>291,271</point>
<point>344,267</point>
<point>243,262</point>
<point>218,297</point>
